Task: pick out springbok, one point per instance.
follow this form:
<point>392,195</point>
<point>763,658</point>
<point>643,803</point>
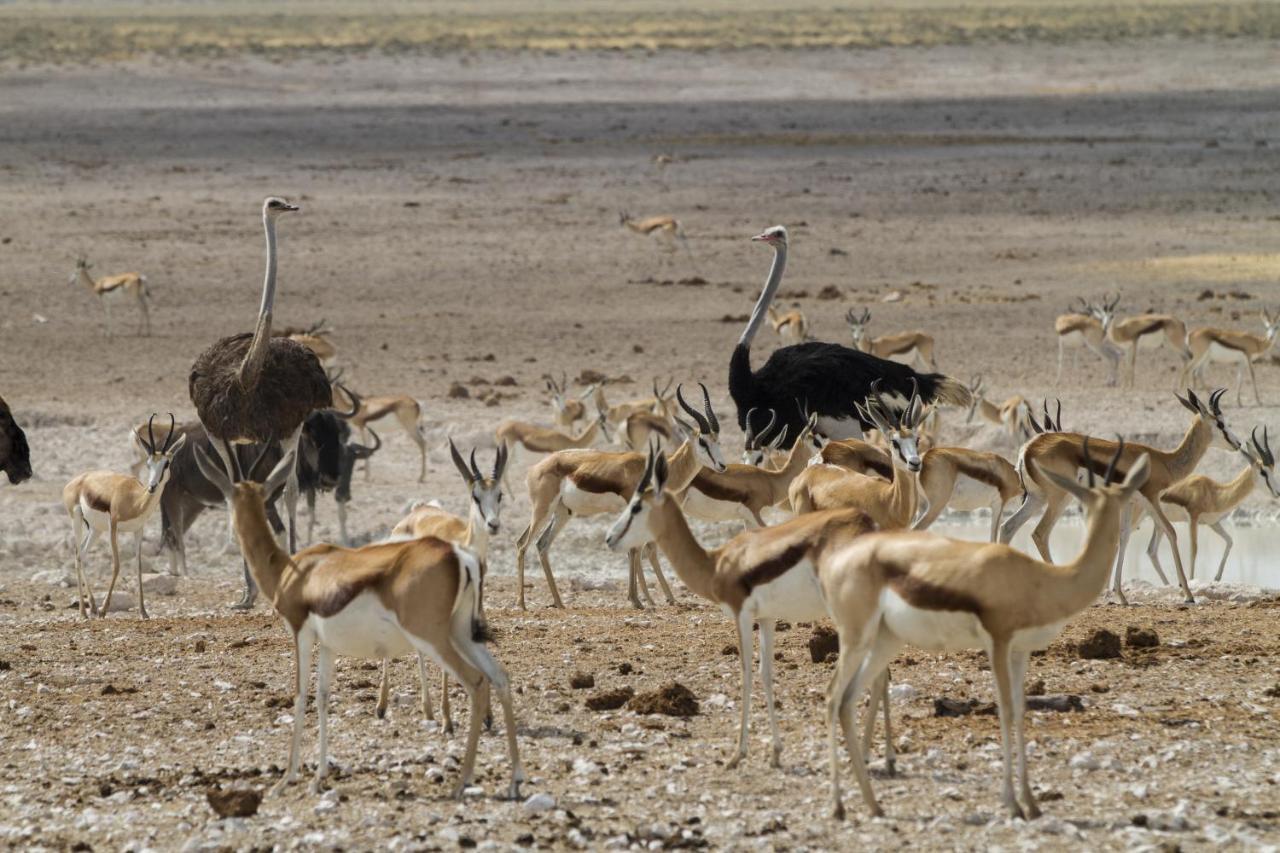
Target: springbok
<point>406,410</point>
<point>593,482</point>
<point>1149,331</point>
<point>99,501</point>
<point>111,287</point>
<point>386,599</point>
<point>791,326</point>
<point>907,347</point>
<point>483,521</point>
<point>756,578</point>
<point>1221,346</point>
<point>887,590</point>
<point>1062,453</point>
<point>1086,326</point>
<point>1200,500</point>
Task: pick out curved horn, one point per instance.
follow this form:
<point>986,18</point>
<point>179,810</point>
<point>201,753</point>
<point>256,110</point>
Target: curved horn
<point>851,317</point>
<point>458,462</point>
<point>173,433</point>
<point>1057,416</point>
<point>1214,398</point>
<point>703,426</point>
<point>251,472</point>
<point>499,461</point>
<point>1111,468</point>
<point>475,469</point>
<point>711,414</point>
<point>362,451</point>
<point>749,436</point>
<point>648,467</point>
<point>356,402</point>
<point>1088,464</point>
<point>773,420</point>
<point>151,436</point>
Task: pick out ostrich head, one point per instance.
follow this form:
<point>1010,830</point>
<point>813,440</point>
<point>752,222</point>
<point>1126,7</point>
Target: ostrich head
<point>274,206</point>
<point>775,236</point>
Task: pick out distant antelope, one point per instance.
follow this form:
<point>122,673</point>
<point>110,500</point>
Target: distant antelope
<point>111,287</point>
<point>1010,414</point>
<point>906,347</point>
<point>666,227</point>
<point>1149,331</point>
<point>406,410</point>
<point>1208,344</point>
<point>314,337</point>
<point>98,501</point>
<point>582,483</point>
<point>660,403</point>
<point>568,410</point>
<point>521,438</point>
<point>1200,500</point>
<point>791,325</point>
<point>1087,326</point>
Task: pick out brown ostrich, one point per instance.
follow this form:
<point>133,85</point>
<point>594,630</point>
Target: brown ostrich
<point>257,389</point>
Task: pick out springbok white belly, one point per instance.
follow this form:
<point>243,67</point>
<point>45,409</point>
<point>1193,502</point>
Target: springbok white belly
<point>1072,340</point>
<point>795,595</point>
<point>952,630</point>
<point>582,502</point>
<point>1224,355</point>
<point>101,521</point>
<point>1155,340</point>
<point>362,629</point>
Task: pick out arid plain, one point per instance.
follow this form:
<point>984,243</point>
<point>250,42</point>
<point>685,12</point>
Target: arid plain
<point>459,224</point>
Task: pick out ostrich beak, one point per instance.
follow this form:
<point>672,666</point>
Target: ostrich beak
<point>762,238</point>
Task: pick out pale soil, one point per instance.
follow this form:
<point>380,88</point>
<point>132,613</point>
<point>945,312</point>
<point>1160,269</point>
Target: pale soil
<point>989,185</point>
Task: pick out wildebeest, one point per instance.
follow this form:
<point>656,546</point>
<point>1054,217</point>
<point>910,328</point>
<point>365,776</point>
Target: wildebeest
<point>15,454</point>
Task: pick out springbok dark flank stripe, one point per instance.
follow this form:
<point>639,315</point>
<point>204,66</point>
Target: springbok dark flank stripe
<point>929,596</point>
<point>772,568</point>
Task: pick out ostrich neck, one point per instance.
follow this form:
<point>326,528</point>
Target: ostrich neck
<point>761,311</point>
<point>251,367</point>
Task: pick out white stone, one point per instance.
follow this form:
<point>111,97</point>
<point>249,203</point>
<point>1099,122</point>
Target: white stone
<point>902,692</point>
<point>539,803</point>
<point>54,577</point>
<point>1084,761</point>
<point>153,584</point>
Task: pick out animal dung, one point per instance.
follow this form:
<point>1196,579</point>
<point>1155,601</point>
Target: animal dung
<point>610,700</point>
<point>582,680</point>
<point>823,642</point>
<point>1100,645</point>
<point>673,700</point>
<point>234,802</point>
<point>1141,638</point>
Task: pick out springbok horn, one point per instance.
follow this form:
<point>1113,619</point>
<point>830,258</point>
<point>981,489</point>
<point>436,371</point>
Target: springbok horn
<point>750,435</point>
<point>355,402</point>
<point>475,469</point>
<point>703,426</point>
<point>252,473</point>
<point>151,436</point>
<point>458,463</point>
<point>648,468</point>
<point>1214,401</point>
<point>173,433</point>
<point>499,460</point>
<point>1111,468</point>
<point>711,415</point>
<point>773,420</point>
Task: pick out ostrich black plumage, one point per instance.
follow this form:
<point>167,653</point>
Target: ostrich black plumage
<point>822,378</point>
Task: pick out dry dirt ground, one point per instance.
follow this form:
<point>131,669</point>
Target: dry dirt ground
<point>460,224</point>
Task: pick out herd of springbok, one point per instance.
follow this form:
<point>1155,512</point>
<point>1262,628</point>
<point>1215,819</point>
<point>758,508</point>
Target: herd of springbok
<point>844,470</point>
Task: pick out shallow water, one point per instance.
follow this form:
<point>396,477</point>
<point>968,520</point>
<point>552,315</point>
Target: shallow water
<point>1254,558</point>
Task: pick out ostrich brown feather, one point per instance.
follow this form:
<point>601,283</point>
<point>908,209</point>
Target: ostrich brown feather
<point>291,385</point>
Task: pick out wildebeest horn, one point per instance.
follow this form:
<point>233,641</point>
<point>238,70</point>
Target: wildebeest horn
<point>356,402</point>
<point>361,451</point>
<point>703,426</point>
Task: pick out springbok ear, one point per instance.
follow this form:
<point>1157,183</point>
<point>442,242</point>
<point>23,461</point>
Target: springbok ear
<point>212,470</point>
<point>1068,485</point>
<point>177,445</point>
<point>459,463</point>
<point>1186,401</point>
<point>279,474</point>
<point>1137,476</point>
<point>660,472</point>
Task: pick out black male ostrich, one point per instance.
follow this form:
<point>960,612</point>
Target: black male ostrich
<point>821,377</point>
<point>257,389</point>
<point>15,455</point>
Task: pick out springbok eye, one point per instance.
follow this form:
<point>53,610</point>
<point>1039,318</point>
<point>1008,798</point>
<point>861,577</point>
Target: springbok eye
<point>635,508</point>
